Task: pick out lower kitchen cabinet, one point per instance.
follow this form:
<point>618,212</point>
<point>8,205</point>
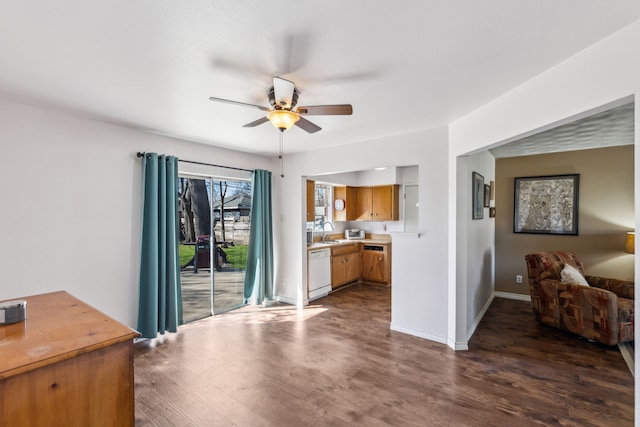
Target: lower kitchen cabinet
<point>375,263</point>
<point>345,264</point>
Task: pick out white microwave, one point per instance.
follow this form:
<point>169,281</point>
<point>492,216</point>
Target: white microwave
<point>353,234</point>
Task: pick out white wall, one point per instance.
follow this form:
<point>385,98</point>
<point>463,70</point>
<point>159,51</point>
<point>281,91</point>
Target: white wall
<point>474,259</point>
<point>419,295</point>
<point>477,293</point>
<point>599,75</point>
<point>70,217</point>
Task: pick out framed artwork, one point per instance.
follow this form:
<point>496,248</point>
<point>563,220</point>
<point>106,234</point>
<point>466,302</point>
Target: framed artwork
<point>546,204</point>
<point>487,195</point>
<point>477,194</point>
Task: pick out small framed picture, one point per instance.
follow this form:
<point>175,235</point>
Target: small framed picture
<point>487,195</point>
<point>477,195</point>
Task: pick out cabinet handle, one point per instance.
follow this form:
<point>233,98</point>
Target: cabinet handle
<point>379,258</point>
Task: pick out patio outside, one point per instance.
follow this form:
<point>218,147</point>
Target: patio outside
<point>228,279</point>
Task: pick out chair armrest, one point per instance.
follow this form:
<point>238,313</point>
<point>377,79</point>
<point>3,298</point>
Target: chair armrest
<point>555,287</point>
<point>622,288</point>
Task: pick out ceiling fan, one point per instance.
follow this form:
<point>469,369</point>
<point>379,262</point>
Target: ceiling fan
<point>283,97</point>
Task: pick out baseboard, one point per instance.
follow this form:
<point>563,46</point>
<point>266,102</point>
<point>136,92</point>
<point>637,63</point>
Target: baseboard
<point>628,354</point>
<point>458,346</point>
<point>510,295</point>
<point>419,334</point>
<point>291,301</point>
<point>479,317</point>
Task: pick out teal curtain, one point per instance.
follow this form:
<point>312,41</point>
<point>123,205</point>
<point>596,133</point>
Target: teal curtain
<point>258,281</point>
<point>160,305</point>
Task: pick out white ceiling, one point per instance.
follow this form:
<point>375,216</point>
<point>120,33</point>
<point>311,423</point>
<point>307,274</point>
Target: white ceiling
<point>404,66</point>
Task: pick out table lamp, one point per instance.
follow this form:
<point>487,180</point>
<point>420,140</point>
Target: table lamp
<point>629,246</point>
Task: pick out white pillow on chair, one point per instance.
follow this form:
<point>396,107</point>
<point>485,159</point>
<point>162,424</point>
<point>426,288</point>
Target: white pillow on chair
<point>570,274</point>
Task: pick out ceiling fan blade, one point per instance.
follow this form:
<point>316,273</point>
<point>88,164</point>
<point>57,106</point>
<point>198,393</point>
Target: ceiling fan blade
<point>283,92</point>
<point>256,122</point>
<point>244,104</point>
<point>327,110</point>
<point>307,126</point>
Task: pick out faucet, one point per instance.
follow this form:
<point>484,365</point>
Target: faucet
<point>323,227</point>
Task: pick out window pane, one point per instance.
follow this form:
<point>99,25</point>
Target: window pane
<point>323,211</point>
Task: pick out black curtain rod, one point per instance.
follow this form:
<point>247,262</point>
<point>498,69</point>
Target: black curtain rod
<point>205,164</point>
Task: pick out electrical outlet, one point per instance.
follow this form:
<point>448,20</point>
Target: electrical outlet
<point>518,278</point>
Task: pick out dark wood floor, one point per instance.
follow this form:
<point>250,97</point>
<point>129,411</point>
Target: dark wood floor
<point>336,363</point>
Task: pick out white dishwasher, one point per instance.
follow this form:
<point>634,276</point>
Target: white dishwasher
<point>319,270</point>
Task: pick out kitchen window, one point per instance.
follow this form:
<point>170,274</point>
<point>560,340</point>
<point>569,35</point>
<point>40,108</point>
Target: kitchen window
<point>323,211</point>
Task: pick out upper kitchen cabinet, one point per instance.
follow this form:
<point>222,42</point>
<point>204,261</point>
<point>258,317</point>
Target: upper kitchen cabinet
<point>311,201</point>
<point>380,203</point>
<point>344,204</point>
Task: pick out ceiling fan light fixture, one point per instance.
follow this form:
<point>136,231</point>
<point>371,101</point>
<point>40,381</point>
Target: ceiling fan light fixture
<point>283,119</point>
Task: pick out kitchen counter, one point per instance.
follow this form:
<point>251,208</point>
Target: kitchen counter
<point>342,242</point>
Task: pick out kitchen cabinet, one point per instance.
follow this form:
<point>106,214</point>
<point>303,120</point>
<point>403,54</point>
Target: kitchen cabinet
<point>376,265</point>
<point>345,264</point>
<point>311,200</point>
<point>349,211</point>
<point>380,203</point>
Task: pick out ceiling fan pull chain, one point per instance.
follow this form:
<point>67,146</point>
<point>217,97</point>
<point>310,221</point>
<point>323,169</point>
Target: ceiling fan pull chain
<point>281,156</point>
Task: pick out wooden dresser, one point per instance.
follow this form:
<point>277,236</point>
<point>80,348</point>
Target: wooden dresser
<point>67,365</point>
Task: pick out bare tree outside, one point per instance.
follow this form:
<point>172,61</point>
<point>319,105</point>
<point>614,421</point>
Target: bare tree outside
<point>200,206</point>
<point>195,207</point>
<point>222,185</point>
<point>187,230</point>
<point>201,200</point>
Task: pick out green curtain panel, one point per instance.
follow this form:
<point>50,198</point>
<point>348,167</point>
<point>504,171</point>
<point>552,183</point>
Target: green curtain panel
<point>160,306</point>
<point>258,281</point>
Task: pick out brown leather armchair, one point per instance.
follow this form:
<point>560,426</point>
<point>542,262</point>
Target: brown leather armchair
<point>600,312</point>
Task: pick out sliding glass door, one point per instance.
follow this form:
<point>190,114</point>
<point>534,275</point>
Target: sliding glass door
<point>231,212</point>
<point>214,233</point>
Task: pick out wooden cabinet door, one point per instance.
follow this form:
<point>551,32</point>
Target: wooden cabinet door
<point>311,201</point>
<point>345,264</point>
<point>364,204</point>
<point>352,267</point>
<point>382,203</point>
<point>337,271</point>
<point>374,266</point>
<point>386,203</point>
<point>351,208</point>
<point>348,194</point>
